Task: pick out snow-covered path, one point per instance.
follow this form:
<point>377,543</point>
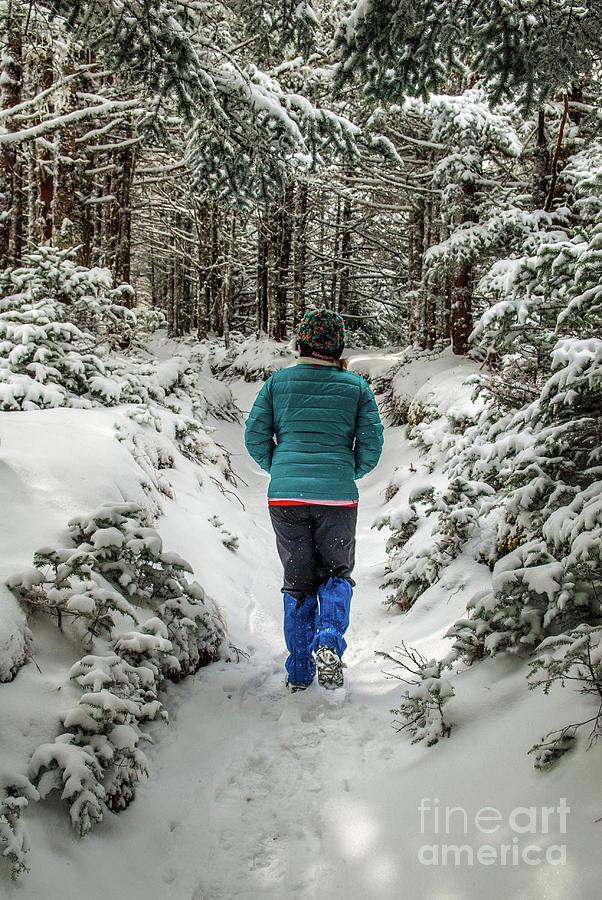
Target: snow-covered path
<point>270,809</point>
<point>257,793</point>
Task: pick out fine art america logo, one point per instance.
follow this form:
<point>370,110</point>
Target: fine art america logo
<point>489,837</point>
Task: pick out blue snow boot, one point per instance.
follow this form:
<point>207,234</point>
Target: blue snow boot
<point>333,620</point>
<point>299,632</point>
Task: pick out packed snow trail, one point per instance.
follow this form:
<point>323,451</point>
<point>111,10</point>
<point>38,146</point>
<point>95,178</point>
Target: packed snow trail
<point>256,793</point>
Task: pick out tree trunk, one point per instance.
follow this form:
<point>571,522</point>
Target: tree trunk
<point>299,254</point>
<point>16,237</point>
<point>429,301</point>
<point>227,286</point>
<point>541,164</point>
<point>273,257</point>
<point>415,260</point>
<point>176,276</point>
<point>127,161</point>
<point>444,326</point>
<point>170,298</point>
<point>217,269</point>
<point>96,223</point>
<point>461,309</point>
<point>186,310</point>
<point>113,223</point>
<point>32,198</point>
<point>65,227</point>
<point>45,162</point>
<point>152,276</point>
<point>282,250</point>
<point>107,220</point>
<point>344,275</point>
<point>335,257</point>
<point>322,250</point>
<point>46,176</point>
<point>461,306</point>
<point>10,96</point>
<point>261,278</point>
<point>202,307</point>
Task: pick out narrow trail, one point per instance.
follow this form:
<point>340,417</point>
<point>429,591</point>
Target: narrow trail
<point>280,807</point>
<point>256,793</point>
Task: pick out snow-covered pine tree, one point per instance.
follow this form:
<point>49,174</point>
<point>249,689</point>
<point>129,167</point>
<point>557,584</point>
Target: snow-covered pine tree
<point>248,133</point>
<point>117,700</point>
<point>535,466</point>
<point>115,570</point>
<point>546,459</point>
<point>453,518</point>
<point>421,707</point>
<point>48,309</point>
<point>477,210</point>
<point>62,331</point>
<point>275,26</point>
<point>114,573</point>
<point>16,794</point>
<point>523,50</point>
<point>97,762</point>
<point>549,288</point>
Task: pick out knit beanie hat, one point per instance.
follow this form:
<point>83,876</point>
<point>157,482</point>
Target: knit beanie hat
<point>323,331</point>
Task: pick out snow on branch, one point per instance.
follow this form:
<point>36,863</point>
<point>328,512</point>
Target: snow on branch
<point>36,131</point>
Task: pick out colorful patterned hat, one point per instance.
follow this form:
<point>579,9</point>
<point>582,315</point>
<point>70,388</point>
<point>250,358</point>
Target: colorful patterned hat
<point>324,331</point>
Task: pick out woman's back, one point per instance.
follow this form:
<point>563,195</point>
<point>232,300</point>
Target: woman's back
<point>327,429</point>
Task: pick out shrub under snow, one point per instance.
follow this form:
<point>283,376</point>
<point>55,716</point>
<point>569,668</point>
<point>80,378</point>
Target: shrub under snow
<point>142,621</point>
<point>524,491</point>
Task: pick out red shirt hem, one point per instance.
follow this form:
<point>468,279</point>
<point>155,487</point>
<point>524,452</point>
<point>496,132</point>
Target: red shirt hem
<point>277,502</point>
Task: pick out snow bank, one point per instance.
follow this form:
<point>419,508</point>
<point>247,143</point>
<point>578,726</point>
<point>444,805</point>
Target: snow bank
<point>376,369</point>
<point>427,379</point>
<point>435,382</point>
<point>56,466</point>
<point>255,359</point>
<point>13,635</point>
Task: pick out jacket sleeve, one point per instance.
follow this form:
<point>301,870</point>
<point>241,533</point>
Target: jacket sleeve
<point>368,433</point>
<point>259,428</point>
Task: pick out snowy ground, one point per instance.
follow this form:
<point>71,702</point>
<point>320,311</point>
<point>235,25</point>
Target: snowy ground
<point>256,793</point>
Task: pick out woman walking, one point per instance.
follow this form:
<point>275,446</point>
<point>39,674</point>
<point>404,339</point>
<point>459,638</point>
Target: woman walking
<point>315,428</point>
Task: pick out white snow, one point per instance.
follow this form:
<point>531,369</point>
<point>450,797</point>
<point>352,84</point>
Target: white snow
<point>13,630</point>
<point>255,793</point>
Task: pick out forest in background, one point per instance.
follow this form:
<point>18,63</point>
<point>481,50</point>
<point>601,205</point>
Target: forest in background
<point>199,151</point>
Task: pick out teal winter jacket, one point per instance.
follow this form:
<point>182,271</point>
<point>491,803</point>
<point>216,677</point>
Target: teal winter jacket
<point>315,428</point>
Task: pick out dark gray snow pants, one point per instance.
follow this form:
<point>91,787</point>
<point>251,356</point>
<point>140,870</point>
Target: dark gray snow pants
<point>314,543</point>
